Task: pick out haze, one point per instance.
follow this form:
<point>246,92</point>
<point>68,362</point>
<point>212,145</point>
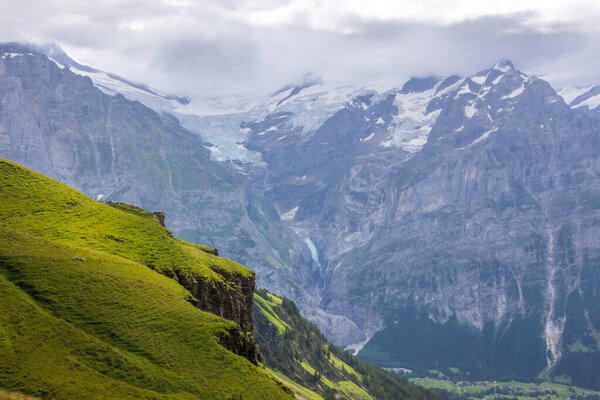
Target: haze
<point>199,48</point>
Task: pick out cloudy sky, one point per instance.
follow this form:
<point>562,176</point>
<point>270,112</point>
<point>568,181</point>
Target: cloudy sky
<point>206,47</point>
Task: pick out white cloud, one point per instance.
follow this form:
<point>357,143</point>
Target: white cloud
<point>195,47</point>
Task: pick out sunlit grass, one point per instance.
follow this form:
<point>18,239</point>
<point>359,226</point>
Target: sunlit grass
<point>88,310</point>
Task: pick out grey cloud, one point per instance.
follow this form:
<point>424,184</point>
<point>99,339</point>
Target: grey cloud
<point>207,64</point>
<point>205,48</point>
<point>422,49</point>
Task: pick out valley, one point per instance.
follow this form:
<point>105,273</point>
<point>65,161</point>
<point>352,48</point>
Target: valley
<point>443,221</point>
<point>505,390</point>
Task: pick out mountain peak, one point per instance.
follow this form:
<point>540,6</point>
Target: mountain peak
<point>418,85</point>
<point>50,49</point>
<point>308,79</point>
<point>504,66</point>
<point>58,55</point>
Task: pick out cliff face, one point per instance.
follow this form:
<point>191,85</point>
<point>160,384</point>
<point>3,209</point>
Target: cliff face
<point>227,293</point>
<point>231,300</point>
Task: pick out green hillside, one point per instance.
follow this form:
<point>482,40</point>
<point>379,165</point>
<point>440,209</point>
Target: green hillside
<point>297,351</point>
<point>89,308</point>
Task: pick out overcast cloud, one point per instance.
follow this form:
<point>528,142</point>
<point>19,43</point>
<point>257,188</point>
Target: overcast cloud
<point>195,47</point>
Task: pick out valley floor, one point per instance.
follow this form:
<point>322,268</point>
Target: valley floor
<point>504,390</point>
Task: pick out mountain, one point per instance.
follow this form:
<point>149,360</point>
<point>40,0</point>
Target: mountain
<point>455,220</point>
<point>444,222</point>
<point>452,222</point>
<point>295,348</point>
<point>59,123</point>
<point>100,301</point>
<point>587,98</point>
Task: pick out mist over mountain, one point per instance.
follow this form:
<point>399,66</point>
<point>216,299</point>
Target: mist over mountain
<point>440,222</point>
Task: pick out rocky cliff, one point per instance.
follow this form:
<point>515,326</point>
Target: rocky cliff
<point>229,296</point>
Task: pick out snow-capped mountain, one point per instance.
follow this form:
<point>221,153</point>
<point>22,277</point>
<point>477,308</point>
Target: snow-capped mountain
<point>582,97</point>
<point>310,102</point>
<point>440,222</point>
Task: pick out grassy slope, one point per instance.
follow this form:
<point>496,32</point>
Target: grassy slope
<point>35,204</point>
<point>82,315</point>
<point>297,350</point>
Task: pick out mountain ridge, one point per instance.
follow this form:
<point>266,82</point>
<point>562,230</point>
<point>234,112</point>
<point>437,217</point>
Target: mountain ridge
<point>465,205</point>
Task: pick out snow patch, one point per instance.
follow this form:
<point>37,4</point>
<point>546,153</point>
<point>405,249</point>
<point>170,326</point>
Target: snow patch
<point>591,103</point>
<point>112,86</point>
<point>56,62</point>
<point>470,111</point>
<point>410,128</point>
<point>479,139</point>
<point>357,347</point>
<point>498,79</point>
<point>479,79</point>
<point>289,216</point>
<point>415,144</point>
<point>13,55</point>
<point>368,137</point>
<point>515,93</point>
<point>464,89</point>
<point>223,134</point>
<point>571,93</point>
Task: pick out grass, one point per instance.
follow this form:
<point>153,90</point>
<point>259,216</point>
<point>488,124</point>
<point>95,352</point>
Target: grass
<point>15,396</point>
<point>353,391</point>
<point>35,204</point>
<point>343,367</point>
<point>500,390</point>
<point>83,316</point>
<point>296,349</point>
<point>300,392</point>
<point>265,306</point>
<point>349,389</point>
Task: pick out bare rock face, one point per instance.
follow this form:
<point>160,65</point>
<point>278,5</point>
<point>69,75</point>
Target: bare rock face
<point>467,249</point>
<point>232,301</point>
<point>161,217</point>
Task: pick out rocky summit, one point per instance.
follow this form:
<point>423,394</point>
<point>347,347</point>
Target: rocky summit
<point>442,222</point>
